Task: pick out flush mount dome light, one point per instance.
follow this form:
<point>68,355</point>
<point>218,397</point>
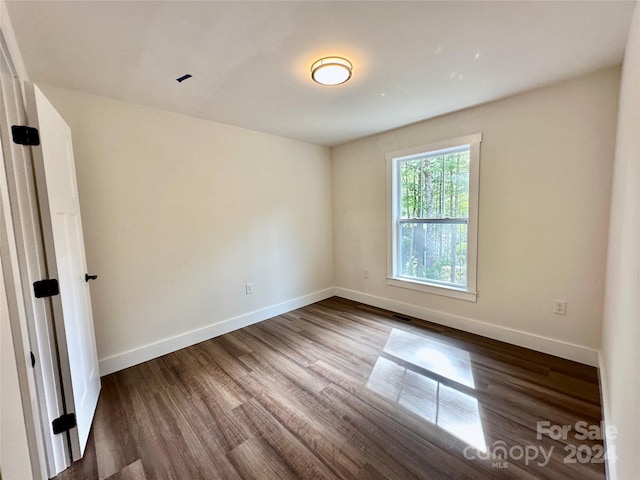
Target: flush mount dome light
<point>331,70</point>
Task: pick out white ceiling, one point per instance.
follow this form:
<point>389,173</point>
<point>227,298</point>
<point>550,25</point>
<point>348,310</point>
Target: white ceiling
<point>250,60</point>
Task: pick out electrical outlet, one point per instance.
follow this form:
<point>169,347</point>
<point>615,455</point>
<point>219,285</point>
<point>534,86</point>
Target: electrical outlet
<point>365,274</point>
<point>248,288</point>
<point>560,307</point>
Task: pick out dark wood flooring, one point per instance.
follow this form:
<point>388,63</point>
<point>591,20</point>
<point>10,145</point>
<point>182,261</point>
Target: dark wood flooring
<point>339,390</point>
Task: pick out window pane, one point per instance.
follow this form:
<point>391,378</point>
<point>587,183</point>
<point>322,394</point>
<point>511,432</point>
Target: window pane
<point>434,252</point>
<point>432,219</point>
<point>435,186</point>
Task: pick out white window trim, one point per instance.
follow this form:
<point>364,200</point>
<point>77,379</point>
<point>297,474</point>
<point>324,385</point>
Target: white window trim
<point>470,293</point>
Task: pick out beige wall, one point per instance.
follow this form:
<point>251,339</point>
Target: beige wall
<point>621,325</point>
<point>179,213</point>
<point>545,172</point>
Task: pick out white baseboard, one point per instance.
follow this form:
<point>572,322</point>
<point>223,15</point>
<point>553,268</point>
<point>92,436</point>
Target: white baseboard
<point>516,337</point>
<point>558,348</point>
<point>154,350</point>
<point>609,444</point>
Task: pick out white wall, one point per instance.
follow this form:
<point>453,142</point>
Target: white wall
<point>546,161</point>
<point>621,325</point>
<point>179,213</point>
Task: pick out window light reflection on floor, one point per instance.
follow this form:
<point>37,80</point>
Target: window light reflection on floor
<point>444,360</point>
<point>443,405</point>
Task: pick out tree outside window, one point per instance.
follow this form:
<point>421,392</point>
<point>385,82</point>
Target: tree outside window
<point>433,217</point>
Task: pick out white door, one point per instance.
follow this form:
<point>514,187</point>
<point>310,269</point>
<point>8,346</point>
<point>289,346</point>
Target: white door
<point>65,257</point>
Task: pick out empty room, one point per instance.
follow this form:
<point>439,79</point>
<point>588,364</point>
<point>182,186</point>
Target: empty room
<point>319,240</point>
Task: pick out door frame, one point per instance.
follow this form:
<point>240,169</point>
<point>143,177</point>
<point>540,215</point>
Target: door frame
<point>23,257</point>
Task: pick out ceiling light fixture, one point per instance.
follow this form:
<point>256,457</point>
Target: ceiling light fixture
<point>331,70</point>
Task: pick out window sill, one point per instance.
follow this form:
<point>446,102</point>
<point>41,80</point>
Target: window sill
<point>434,289</point>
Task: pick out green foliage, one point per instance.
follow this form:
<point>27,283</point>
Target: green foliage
<point>435,187</point>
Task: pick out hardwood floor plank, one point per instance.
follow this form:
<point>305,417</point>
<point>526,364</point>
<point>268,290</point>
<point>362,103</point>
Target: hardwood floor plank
<point>134,471</point>
<point>87,468</point>
<point>397,442</point>
<point>299,459</point>
<point>315,425</point>
<point>340,390</point>
<point>115,448</point>
<point>155,455</point>
<point>281,369</point>
<point>254,459</point>
<point>368,472</point>
<point>281,345</point>
<point>225,359</point>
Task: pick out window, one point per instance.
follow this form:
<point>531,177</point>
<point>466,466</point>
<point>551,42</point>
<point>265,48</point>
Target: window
<point>433,209</point>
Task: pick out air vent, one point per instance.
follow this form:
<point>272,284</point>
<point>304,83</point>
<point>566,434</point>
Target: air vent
<point>401,317</point>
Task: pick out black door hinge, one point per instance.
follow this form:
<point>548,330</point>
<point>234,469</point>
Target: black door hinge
<point>46,288</point>
<point>33,360</point>
<point>23,135</point>
<point>64,423</point>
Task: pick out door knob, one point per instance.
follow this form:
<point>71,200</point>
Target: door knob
<point>88,277</point>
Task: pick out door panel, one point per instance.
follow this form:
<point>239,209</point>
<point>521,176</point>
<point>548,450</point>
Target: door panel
<point>65,257</point>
